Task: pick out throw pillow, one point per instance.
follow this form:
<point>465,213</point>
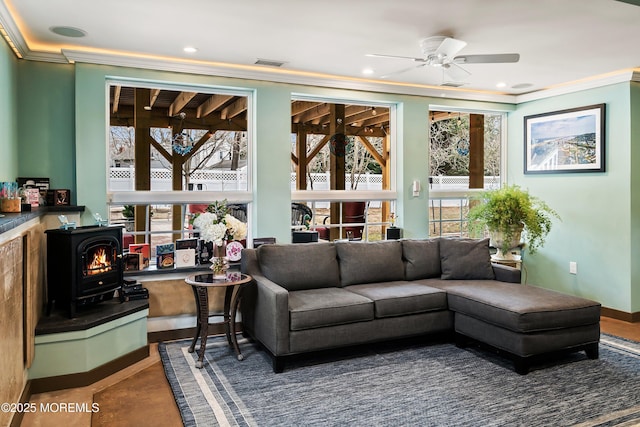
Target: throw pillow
<point>300,266</point>
<point>422,258</point>
<point>368,262</point>
<point>465,259</point>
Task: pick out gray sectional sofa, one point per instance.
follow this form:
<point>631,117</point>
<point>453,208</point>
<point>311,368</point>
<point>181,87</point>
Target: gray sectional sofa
<point>317,296</point>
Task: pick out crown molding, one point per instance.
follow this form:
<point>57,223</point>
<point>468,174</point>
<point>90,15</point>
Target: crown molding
<point>45,57</point>
<point>20,44</point>
<point>621,76</point>
<point>282,76</point>
<point>9,25</point>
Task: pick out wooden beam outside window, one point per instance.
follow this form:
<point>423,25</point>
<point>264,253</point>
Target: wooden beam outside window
<point>476,151</point>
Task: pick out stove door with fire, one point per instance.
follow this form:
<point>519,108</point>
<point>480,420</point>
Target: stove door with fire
<point>98,264</point>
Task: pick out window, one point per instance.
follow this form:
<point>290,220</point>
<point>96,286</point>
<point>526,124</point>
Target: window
<point>341,167</point>
<point>465,155</point>
<point>171,151</point>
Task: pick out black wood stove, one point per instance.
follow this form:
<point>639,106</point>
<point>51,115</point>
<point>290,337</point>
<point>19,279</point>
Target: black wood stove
<point>84,266</point>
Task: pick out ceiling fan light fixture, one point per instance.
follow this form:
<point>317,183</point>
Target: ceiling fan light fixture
<point>437,60</point>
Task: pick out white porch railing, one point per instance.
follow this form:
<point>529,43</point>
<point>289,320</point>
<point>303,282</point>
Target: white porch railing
<point>122,179</point>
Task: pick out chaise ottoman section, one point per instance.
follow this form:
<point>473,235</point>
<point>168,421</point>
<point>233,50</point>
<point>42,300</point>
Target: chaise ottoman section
<point>524,320</point>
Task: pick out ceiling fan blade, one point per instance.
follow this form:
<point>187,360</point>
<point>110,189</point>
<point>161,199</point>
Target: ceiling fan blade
<point>395,73</point>
<point>497,58</point>
<point>375,55</point>
<point>449,47</point>
<point>455,72</point>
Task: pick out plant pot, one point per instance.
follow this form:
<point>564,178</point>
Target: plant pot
<point>504,241</point>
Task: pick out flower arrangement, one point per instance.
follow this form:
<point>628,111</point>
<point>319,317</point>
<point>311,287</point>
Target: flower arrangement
<point>217,226</point>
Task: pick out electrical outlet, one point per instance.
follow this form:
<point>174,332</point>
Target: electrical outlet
<point>573,267</point>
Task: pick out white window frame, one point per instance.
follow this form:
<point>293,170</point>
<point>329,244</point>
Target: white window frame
<point>184,197</point>
<point>355,195</point>
<point>503,147</point>
<point>470,192</point>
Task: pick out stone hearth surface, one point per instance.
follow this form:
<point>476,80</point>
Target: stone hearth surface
<point>88,317</point>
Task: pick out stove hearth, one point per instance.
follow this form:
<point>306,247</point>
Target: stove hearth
<point>84,266</point>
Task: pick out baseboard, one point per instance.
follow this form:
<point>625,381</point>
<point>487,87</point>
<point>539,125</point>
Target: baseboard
<point>16,421</point>
<point>179,334</point>
<point>172,335</point>
<point>620,315</point>
<point>83,379</point>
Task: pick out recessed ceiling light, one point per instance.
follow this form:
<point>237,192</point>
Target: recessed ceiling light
<point>68,31</point>
<point>367,71</point>
<point>190,49</point>
<point>501,84</point>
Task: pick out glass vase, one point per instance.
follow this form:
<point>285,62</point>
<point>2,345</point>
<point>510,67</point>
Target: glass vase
<point>219,263</point>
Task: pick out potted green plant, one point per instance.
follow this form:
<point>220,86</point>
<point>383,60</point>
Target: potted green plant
<point>510,213</point>
<point>128,212</point>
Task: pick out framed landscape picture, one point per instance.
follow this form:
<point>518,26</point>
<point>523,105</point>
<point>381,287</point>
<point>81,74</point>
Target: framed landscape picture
<point>565,141</point>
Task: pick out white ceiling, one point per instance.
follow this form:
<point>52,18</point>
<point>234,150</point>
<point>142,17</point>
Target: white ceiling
<point>560,42</point>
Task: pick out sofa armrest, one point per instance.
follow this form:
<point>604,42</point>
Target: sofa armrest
<point>504,273</point>
<point>265,308</point>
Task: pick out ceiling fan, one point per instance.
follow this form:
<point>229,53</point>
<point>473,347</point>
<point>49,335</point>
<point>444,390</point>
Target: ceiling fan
<point>440,52</point>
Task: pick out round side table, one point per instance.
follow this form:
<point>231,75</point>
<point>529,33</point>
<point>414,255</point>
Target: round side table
<point>200,282</point>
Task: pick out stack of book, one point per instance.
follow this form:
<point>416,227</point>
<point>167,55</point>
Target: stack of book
<point>132,290</point>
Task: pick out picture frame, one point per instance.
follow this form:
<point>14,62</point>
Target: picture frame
<point>565,141</point>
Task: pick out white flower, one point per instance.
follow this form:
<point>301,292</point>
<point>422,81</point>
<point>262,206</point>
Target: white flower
<point>204,218</point>
<point>237,229</point>
<point>210,229</point>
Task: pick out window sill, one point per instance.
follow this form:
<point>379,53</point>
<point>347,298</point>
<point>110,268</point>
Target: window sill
<point>153,270</point>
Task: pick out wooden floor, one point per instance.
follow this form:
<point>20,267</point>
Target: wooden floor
<point>140,395</point>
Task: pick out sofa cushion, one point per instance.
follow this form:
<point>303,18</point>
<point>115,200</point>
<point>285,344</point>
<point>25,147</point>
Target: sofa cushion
<point>300,266</point>
<point>422,258</point>
<point>401,298</point>
<point>465,259</point>
<point>521,308</point>
<point>316,308</point>
<point>369,262</point>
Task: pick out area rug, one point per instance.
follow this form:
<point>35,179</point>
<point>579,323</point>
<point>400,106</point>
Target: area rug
<point>411,384</point>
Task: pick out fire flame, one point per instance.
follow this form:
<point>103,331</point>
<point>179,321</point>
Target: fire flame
<point>100,262</point>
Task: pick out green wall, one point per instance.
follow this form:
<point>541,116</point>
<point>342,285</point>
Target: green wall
<point>634,253</point>
<point>600,211</point>
<point>595,208</point>
<point>46,123</point>
<point>8,114</point>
